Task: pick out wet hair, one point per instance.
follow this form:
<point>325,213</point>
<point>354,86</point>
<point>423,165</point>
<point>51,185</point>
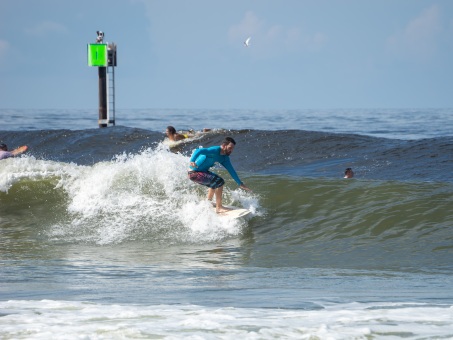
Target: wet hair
<point>3,147</point>
<point>228,140</point>
<point>348,173</point>
<point>171,129</point>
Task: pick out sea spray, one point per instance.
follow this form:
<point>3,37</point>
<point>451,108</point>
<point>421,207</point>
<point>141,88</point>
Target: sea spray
<point>143,196</point>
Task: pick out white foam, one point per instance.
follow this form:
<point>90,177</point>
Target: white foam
<point>13,170</point>
<point>143,196</point>
<point>82,320</point>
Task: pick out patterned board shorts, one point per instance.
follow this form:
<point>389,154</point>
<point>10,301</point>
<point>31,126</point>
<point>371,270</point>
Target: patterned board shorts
<point>208,179</point>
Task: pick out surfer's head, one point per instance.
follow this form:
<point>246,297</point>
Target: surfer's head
<point>3,147</point>
<point>348,173</point>
<point>170,130</point>
<point>228,145</point>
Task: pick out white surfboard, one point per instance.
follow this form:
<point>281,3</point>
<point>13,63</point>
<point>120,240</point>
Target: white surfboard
<point>235,212</point>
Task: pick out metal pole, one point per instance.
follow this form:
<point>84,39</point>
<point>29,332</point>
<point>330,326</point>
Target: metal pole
<point>102,97</point>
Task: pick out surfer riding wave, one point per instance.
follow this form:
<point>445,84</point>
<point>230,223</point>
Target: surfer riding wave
<point>203,159</point>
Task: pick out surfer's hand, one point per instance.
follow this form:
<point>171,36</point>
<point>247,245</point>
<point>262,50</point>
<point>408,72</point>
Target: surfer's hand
<point>193,165</point>
<point>243,186</point>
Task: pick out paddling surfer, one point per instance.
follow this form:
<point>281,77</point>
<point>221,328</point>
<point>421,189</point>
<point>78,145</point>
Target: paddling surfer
<point>4,153</point>
<point>175,136</point>
<point>203,159</point>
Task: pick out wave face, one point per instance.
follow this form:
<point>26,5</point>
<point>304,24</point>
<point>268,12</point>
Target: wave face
<point>362,224</point>
<point>122,185</point>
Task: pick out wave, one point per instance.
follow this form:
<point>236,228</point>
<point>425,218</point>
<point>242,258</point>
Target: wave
<point>133,197</point>
<point>358,223</point>
<point>286,152</point>
<point>297,221</point>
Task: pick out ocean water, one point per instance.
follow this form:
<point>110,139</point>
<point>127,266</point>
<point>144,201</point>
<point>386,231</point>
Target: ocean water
<point>102,236</point>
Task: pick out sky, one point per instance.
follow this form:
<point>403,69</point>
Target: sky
<point>303,54</point>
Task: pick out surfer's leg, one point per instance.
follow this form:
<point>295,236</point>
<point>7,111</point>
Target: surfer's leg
<point>214,183</point>
<point>218,199</point>
<point>219,208</point>
<point>210,194</point>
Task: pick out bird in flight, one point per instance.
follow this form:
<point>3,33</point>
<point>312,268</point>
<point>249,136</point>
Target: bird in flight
<point>247,42</point>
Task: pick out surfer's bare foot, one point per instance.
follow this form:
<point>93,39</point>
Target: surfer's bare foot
<point>222,210</point>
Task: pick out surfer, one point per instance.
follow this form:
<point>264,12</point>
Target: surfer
<point>348,173</point>
<point>203,159</point>
<point>4,153</point>
<point>174,136</point>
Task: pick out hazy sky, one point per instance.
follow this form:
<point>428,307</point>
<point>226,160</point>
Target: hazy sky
<point>190,53</point>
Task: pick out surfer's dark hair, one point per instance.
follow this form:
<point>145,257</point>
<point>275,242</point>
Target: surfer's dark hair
<point>3,147</point>
<point>228,140</point>
<point>171,129</point>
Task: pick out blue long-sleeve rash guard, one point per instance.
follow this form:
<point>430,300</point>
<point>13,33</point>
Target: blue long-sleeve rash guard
<point>205,158</point>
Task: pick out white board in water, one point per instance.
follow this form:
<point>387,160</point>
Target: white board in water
<point>234,213</point>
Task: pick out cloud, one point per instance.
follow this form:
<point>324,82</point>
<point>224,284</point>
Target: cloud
<point>273,39</point>
<point>419,39</point>
<point>45,28</point>
<point>250,25</point>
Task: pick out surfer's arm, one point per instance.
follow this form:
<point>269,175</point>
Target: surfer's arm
<point>204,158</point>
<point>197,158</point>
<point>227,164</point>
<point>19,150</point>
<point>200,160</point>
<point>243,186</point>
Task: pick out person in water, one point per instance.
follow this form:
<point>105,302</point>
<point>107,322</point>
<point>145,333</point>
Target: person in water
<point>174,136</point>
<point>348,173</point>
<point>203,159</point>
<point>4,153</point>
